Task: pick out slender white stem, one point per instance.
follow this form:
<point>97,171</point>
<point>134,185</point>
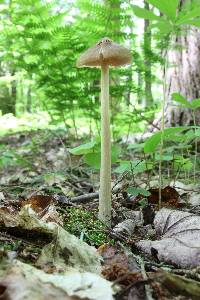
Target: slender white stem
<point>105,172</point>
<point>162,132</point>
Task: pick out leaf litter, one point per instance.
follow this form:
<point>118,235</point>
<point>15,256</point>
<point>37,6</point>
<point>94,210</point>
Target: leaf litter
<point>62,266</point>
<point>79,263</point>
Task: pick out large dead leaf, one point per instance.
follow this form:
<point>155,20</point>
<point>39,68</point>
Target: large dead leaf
<point>63,252</point>
<point>19,281</point>
<point>178,238</point>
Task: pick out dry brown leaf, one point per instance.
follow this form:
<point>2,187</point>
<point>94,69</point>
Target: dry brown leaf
<point>178,238</point>
<point>118,264</point>
<point>38,202</point>
<point>23,282</point>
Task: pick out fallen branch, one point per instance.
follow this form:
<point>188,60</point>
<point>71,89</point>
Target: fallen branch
<point>85,198</point>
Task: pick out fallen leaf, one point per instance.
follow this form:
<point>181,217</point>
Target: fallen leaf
<point>20,281</point>
<point>169,196</point>
<point>64,251</point>
<point>126,227</point>
<point>38,202</point>
<point>178,236</point>
<point>43,206</point>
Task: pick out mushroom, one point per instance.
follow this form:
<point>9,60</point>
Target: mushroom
<point>104,54</point>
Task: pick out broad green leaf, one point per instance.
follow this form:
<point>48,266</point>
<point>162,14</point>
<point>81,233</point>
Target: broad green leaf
<point>167,7</point>
<point>83,149</point>
<point>164,157</point>
<point>184,18</point>
<point>115,152</point>
<point>189,135</point>
<point>195,22</point>
<point>93,160</point>
<point>184,163</point>
<point>144,13</point>
<point>195,103</point>
<point>136,167</point>
<point>176,138</point>
<point>180,99</point>
<point>138,191</point>
<point>140,167</point>
<point>163,26</point>
<point>136,146</point>
<point>123,167</point>
<point>197,133</point>
<point>143,202</point>
<point>152,143</point>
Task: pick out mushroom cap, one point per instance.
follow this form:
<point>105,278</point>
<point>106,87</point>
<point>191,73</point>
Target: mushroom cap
<point>105,52</point>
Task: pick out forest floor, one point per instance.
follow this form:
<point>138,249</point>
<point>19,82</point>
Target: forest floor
<point>47,193</point>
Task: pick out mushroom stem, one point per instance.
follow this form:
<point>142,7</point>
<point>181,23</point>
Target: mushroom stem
<point>105,172</point>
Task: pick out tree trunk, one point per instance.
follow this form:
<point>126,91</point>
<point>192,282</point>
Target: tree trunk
<point>139,90</point>
<point>147,60</point>
<point>29,100</point>
<point>182,76</point>
<point>6,102</point>
<point>8,95</point>
<point>8,98</point>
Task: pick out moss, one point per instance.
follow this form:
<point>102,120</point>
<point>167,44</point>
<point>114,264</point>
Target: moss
<point>85,225</point>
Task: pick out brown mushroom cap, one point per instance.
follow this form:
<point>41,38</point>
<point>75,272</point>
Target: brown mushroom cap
<point>105,52</point>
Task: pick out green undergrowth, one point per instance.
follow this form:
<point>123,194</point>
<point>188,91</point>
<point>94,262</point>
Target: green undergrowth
<point>85,225</point>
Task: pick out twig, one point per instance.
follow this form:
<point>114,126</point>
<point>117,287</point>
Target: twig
<point>194,273</point>
<point>144,275</point>
<point>84,198</point>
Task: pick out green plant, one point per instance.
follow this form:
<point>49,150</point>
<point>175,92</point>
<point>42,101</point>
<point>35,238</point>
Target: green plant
<point>12,158</point>
<point>193,105</point>
<point>91,153</point>
<point>85,224</point>
<point>172,21</point>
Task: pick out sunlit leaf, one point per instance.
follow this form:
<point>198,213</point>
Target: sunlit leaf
<point>83,149</point>
<point>195,103</point>
<point>144,13</point>
<point>138,191</point>
<point>152,143</point>
<point>180,99</point>
<point>135,167</point>
<point>168,7</point>
<point>136,146</point>
<point>185,17</point>
<point>93,160</point>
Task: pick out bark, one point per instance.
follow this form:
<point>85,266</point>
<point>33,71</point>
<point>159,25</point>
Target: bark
<point>139,90</point>
<point>8,95</point>
<point>183,76</point>
<point>8,98</point>
<point>29,100</point>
